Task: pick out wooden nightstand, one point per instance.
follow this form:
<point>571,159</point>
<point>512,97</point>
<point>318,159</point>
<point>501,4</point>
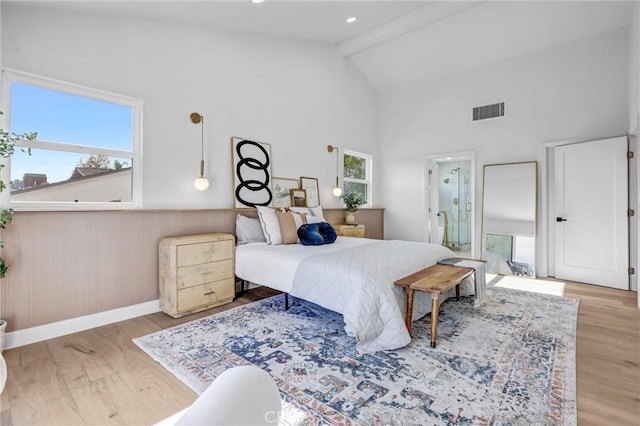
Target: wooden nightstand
<point>196,273</point>
<point>344,230</point>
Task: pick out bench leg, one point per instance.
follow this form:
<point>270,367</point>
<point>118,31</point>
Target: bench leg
<point>435,308</point>
<point>458,291</point>
<point>409,316</point>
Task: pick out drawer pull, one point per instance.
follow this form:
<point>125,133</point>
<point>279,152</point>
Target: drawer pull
<point>209,292</point>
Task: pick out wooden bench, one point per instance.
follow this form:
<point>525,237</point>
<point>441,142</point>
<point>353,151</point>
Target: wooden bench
<point>436,279</point>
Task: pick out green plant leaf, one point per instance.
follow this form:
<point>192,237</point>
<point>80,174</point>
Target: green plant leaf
<point>353,200</point>
<point>8,141</point>
<point>4,267</point>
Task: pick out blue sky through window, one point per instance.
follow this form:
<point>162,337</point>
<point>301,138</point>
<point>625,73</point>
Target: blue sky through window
<point>69,119</point>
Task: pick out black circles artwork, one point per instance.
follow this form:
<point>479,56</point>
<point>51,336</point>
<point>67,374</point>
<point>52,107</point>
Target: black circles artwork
<point>251,173</point>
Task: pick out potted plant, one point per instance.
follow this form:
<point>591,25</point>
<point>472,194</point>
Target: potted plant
<point>8,141</point>
<point>352,201</point>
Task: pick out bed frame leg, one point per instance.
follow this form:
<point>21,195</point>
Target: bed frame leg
<point>243,287</point>
<point>286,301</point>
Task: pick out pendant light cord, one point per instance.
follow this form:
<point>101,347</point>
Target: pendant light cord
<point>201,146</point>
<point>337,167</point>
<point>202,140</point>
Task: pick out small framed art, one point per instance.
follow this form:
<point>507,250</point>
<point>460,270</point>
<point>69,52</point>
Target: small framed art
<point>298,198</point>
<point>282,191</point>
<point>310,185</point>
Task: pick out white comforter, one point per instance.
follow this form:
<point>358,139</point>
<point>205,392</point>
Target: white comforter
<point>275,266</point>
<point>359,283</point>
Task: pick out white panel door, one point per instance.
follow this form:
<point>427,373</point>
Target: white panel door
<point>591,212</point>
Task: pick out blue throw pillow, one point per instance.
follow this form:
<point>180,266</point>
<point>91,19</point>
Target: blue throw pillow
<point>315,234</point>
<point>309,234</point>
<point>327,232</point>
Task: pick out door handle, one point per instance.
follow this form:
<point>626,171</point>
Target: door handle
<point>560,219</point>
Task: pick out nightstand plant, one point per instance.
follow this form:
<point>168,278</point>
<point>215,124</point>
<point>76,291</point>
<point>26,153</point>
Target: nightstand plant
<point>352,201</point>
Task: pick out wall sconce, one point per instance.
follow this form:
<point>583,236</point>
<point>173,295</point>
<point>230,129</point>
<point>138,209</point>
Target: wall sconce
<point>201,183</point>
<point>337,191</point>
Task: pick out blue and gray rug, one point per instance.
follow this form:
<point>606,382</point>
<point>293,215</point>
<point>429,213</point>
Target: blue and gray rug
<point>509,362</point>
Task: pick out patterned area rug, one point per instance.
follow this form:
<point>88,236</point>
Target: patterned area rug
<point>511,361</point>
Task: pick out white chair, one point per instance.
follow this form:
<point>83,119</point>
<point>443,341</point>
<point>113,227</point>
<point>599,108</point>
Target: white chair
<point>244,395</point>
<point>3,373</point>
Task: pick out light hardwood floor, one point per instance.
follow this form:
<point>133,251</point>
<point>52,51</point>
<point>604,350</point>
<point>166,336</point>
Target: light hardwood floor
<point>100,376</point>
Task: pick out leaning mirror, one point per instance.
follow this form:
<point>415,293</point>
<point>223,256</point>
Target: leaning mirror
<point>509,201</point>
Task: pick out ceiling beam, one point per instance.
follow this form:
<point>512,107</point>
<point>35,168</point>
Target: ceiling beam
<point>417,18</point>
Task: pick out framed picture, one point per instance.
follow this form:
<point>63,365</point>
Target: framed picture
<point>251,168</point>
<point>281,188</point>
<point>298,198</point>
<point>310,185</point>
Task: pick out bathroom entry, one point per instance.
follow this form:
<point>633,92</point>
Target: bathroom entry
<point>450,203</point>
<point>454,204</point>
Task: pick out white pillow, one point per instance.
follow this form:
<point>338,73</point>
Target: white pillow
<point>301,210</point>
<point>249,230</point>
<point>315,219</point>
<point>317,212</point>
<point>270,224</point>
<point>314,214</point>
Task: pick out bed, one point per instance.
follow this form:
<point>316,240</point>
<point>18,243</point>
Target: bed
<point>354,277</point>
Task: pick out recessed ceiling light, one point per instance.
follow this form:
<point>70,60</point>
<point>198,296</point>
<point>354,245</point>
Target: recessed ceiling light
<point>352,19</point>
<point>256,1</point>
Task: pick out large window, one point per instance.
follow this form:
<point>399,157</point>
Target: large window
<point>357,174</point>
<point>88,149</point>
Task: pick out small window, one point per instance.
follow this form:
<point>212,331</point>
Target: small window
<point>87,152</point>
<point>357,174</point>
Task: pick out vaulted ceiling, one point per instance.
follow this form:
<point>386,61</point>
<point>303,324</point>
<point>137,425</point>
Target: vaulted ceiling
<point>484,33</point>
<point>394,43</point>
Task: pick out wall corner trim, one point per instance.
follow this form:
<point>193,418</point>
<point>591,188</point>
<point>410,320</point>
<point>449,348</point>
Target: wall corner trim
<point>39,333</point>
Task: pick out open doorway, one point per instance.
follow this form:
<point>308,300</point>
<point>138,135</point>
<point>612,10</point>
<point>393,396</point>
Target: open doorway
<point>450,209</point>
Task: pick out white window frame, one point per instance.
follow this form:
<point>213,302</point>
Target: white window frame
<point>368,171</point>
<point>9,76</point>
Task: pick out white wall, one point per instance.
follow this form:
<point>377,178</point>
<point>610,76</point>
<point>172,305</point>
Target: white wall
<point>299,97</point>
<point>1,63</point>
<point>575,91</point>
<point>634,123</point>
<point>0,44</point>
<point>634,71</point>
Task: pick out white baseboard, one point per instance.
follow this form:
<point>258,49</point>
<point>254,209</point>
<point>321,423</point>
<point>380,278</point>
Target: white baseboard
<point>27,336</point>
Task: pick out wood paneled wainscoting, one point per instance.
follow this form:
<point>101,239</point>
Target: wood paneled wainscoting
<point>71,264</point>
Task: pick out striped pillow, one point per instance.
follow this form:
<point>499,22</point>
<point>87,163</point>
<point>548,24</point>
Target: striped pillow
<point>289,224</point>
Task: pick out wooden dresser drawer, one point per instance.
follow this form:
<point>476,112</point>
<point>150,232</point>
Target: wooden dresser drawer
<point>189,276</point>
<point>194,254</point>
<point>196,272</point>
<point>206,294</point>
